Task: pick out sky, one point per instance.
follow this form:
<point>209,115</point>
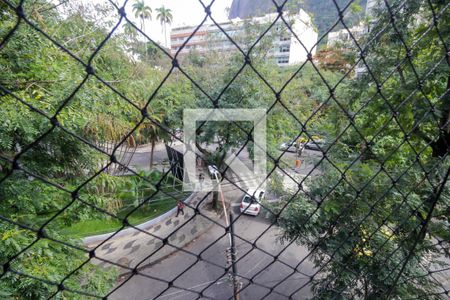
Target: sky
<point>185,12</point>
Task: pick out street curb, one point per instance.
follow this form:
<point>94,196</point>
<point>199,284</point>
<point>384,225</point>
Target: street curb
<point>156,261</point>
<point>145,148</point>
<point>130,230</point>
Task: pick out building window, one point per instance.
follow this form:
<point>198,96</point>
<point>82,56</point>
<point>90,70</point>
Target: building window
<point>285,48</point>
<point>284,38</point>
<point>283,60</point>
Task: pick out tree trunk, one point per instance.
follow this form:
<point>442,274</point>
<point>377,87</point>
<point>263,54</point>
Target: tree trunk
<point>215,200</point>
<point>151,154</point>
<point>165,35</point>
<point>441,144</point>
<point>440,147</point>
<point>402,76</point>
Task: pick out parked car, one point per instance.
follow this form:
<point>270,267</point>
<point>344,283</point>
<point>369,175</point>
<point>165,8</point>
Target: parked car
<point>250,203</point>
<point>316,145</point>
<point>293,146</point>
<point>213,171</point>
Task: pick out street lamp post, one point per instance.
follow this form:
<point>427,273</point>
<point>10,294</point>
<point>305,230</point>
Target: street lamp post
<point>231,258</point>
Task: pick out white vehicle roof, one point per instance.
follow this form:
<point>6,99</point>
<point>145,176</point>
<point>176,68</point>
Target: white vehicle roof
<point>212,168</point>
<point>253,191</point>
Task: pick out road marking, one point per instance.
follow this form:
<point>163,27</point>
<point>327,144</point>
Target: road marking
<point>186,292</point>
<point>255,266</point>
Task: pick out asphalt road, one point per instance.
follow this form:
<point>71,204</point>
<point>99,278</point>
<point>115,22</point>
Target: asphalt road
<point>285,275</point>
<point>141,158</point>
<point>202,276</point>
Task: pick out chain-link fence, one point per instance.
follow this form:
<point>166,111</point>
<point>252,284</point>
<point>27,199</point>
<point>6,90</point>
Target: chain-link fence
<point>359,211</point>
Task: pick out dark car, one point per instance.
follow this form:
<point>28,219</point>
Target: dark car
<point>316,145</point>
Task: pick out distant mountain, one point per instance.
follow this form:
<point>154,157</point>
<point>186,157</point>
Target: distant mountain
<point>324,12</point>
<point>249,8</point>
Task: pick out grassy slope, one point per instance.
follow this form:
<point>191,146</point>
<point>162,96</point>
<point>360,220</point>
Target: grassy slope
<point>159,204</point>
<point>96,226</point>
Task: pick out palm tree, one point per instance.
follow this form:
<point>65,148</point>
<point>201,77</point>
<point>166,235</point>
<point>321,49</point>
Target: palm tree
<point>129,30</point>
<point>150,132</point>
<point>165,17</point>
<point>142,11</point>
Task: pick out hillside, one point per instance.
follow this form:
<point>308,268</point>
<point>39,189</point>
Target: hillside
<point>324,12</point>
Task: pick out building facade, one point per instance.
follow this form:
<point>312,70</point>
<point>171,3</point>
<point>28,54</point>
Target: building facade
<point>343,38</point>
<point>286,50</point>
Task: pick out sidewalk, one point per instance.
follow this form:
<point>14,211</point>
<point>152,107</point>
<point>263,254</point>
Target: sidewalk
<point>158,147</point>
<point>141,157</point>
<point>135,247</point>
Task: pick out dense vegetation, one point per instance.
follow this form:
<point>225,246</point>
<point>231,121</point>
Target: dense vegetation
<point>377,200</point>
<point>377,208</point>
<point>43,76</point>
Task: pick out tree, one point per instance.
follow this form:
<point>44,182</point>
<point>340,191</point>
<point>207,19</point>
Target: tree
<point>129,30</point>
<point>33,69</point>
<point>165,17</point>
<point>373,232</point>
<point>49,261</point>
<point>142,11</point>
<point>151,133</point>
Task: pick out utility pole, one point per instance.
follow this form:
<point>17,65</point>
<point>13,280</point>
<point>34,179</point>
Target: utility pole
<point>231,251</point>
<point>222,198</point>
<point>236,283</point>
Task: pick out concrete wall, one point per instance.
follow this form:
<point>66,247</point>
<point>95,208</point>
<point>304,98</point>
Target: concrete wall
<point>132,248</point>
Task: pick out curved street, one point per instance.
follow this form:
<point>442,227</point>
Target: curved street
<point>206,277</point>
<point>292,266</point>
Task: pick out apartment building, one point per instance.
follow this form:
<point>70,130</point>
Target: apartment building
<point>287,50</point>
<point>344,38</point>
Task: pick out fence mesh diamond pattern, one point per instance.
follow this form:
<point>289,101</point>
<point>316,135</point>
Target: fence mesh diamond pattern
<point>366,218</point>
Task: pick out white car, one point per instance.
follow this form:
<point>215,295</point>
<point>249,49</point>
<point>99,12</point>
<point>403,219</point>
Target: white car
<point>250,203</point>
<point>213,171</point>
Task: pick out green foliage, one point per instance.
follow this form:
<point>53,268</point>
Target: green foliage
<point>35,70</point>
<point>367,223</point>
<point>49,261</point>
<point>142,11</point>
<point>376,219</point>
